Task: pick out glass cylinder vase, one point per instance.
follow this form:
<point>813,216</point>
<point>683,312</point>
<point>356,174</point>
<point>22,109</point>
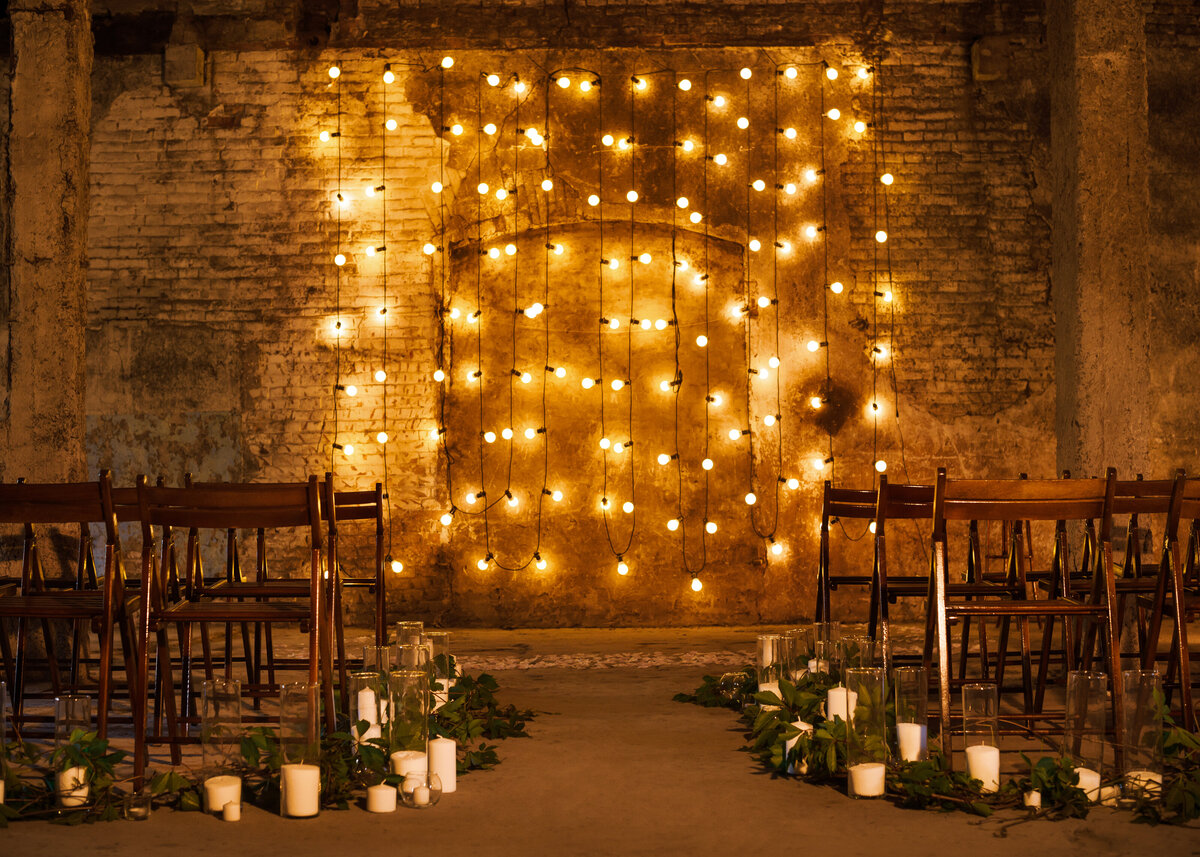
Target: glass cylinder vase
<point>1141,718</point>
<point>441,666</point>
<point>856,652</point>
<point>408,633</point>
<point>980,734</point>
<point>409,656</point>
<point>825,637</point>
<point>771,662</point>
<point>72,715</point>
<point>866,733</point>
<point>369,705</point>
<point>377,659</point>
<point>220,742</point>
<point>912,712</point>
<point>798,642</point>
<point>1084,730</point>
<point>300,743</point>
<point>409,733</point>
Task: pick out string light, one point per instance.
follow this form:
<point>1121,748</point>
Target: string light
<point>673,524</point>
<point>751,499</point>
<point>622,567</point>
<point>707,464</point>
<point>836,287</point>
<point>834,114</point>
<point>685,84</point>
<point>382,437</point>
<point>334,72</point>
<point>860,126</point>
<point>702,340</point>
<point>887,178</point>
<point>493,80</point>
<point>710,527</point>
<point>696,584</point>
<point>880,465</point>
<point>881,236</point>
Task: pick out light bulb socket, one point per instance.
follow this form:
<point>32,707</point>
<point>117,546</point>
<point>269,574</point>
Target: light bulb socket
<point>603,320</point>
<point>635,321</point>
<point>541,430</point>
<point>752,371</point>
<point>547,492</point>
<point>338,446</point>
<point>508,494</point>
<point>515,373</point>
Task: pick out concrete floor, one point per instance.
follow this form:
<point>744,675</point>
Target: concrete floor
<point>614,767</point>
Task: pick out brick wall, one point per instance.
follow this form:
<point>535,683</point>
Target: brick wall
<point>214,293</point>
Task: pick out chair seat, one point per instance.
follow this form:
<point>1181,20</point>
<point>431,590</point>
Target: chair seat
<point>1052,607</point>
<point>279,588</point>
<point>225,611</point>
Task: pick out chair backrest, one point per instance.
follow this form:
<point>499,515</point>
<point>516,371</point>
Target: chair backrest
<point>56,503</point>
<point>1023,500</point>
<point>856,503</point>
<point>902,502</point>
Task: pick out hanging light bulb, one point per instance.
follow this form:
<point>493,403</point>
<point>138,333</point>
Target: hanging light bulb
<point>707,464</point>
<point>745,73</point>
<point>743,123</point>
<point>585,85</point>
<point>388,77</point>
<point>810,232</point>
<point>471,497</point>
<point>793,483</point>
<point>639,82</point>
<point>816,402</point>
<point>688,145</point>
<point>834,114</point>
<point>881,236</point>
<point>380,375</point>
<point>773,362</point>
<point>541,563</point>
<point>790,133</point>
<point>490,436</point>
<point>769,419</point>
<point>587,383</point>
<point>818,463</point>
<point>860,126</point>
<point>663,458</point>
<point>382,437</point>
<point>482,565</point>
<point>715,400</point>
<point>335,72</point>
<point>718,101</point>
<point>790,188</point>
<point>435,433</point>
<point>632,196</point>
<point>622,568</point>
<point>660,324</point>
<point>751,499</point>
<point>665,386</point>
<point>446,519</point>
<point>605,443</point>
<point>547,184</point>
<point>810,175</point>
<point>348,449</point>
<point>489,129</point>
<point>644,258</point>
<point>530,433</point>
<point>447,62</point>
<point>813,345</point>
<point>887,178</point>
<point>397,566</point>
<point>351,390</point>
<point>710,527</point>
<point>564,82</point>
<point>863,74</point>
<point>790,73</point>
<point>776,548</point>
<point>519,87</point>
<point>456,129</point>
<point>501,193</point>
<point>734,434</point>
<point>512,500</point>
<point>482,187</point>
<point>627,507</point>
<point>673,524</point>
<point>506,434</point>
<point>617,384</point>
<point>685,84</point>
<point>593,200</point>
<point>887,297</point>
<point>339,259</point>
<point>560,372</point>
<point>720,160</point>
<point>880,466</point>
<point>695,217</point>
<point>831,73</point>
<point>494,253</point>
<point>510,249</point>
<point>696,584</point>
<point>836,287</point>
<point>755,245</point>
<point>323,136</point>
<point>557,496</point>
<point>702,340</point>
<point>429,249</point>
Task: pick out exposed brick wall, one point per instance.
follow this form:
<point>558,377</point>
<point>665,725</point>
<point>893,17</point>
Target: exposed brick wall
<point>213,289</point>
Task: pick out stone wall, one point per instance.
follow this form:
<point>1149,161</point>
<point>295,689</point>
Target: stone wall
<point>213,293</point>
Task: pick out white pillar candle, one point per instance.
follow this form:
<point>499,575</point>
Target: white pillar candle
<point>412,781</point>
<point>441,693</point>
<point>300,790</point>
<point>443,761</point>
<point>381,798</point>
<point>769,687</point>
<point>1,791</point>
<point>405,762</point>
<point>912,738</point>
<point>373,731</point>
<point>791,742</point>
<point>1148,781</point>
<point>1109,795</point>
<point>221,790</point>
<point>841,702</point>
<point>867,779</point>
<point>1033,799</point>
<point>983,763</point>
<point>73,788</point>
<point>367,709</point>
<point>421,795</point>
<point>818,666</point>
<point>232,812</point>
<point>1089,781</point>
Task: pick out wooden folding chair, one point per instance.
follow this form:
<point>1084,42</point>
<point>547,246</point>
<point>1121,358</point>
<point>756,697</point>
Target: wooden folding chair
<point>895,502</point>
<point>99,604</point>
<point>289,507</point>
<point>1034,501</point>
<point>837,503</point>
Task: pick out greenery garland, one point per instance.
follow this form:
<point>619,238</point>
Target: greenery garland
<point>819,756</point>
<point>473,717</point>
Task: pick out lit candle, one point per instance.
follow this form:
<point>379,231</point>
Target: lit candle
<point>443,761</point>
<point>73,788</point>
<point>232,811</point>
<point>1089,781</point>
<point>983,763</point>
<point>405,762</point>
<point>791,742</point>
<point>912,737</point>
<point>841,702</point>
<point>300,790</point>
<point>867,779</point>
<point>221,790</point>
<point>381,798</point>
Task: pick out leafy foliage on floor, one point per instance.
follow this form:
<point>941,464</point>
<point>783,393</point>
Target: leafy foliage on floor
<point>474,717</point>
<point>819,755</point>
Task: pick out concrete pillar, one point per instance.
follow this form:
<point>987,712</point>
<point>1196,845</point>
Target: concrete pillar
<point>47,203</point>
<point>1100,234</point>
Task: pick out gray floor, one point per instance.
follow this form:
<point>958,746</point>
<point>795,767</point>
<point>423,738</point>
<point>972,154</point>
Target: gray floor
<point>614,767</point>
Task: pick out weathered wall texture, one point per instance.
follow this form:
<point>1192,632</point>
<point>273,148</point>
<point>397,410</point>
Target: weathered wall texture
<point>213,293</point>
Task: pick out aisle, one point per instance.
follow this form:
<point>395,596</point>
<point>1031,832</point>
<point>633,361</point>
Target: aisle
<point>614,768</point>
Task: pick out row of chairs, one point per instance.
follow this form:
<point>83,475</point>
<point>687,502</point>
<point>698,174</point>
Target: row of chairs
<point>1083,604</point>
<point>177,525</point>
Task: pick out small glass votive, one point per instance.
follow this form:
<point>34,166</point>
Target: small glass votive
<point>421,789</point>
<point>138,805</point>
<point>980,728</point>
<point>731,686</point>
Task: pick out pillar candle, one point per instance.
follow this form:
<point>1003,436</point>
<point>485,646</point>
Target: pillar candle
<point>1,790</point>
<point>1033,799</point>
<point>421,795</point>
<point>791,742</point>
<point>818,666</point>
<point>300,790</point>
<point>407,761</point>
<point>381,798</point>
<point>232,811</point>
<point>867,779</point>
<point>1148,781</point>
<point>373,731</point>
<point>841,702</point>
<point>443,761</point>
<point>73,788</point>
<point>367,709</point>
<point>983,763</point>
<point>221,790</point>
<point>1089,781</point>
<point>912,739</point>
<point>441,693</point>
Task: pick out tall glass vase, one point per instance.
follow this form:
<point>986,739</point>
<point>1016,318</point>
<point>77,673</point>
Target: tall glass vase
<point>912,712</point>
<point>369,705</point>
<point>981,733</point>
<point>300,743</point>
<point>866,732</point>
<point>772,662</point>
<point>220,742</point>
<point>1084,733</point>
<point>1142,721</point>
<point>441,666</point>
<point>409,733</point>
<point>72,714</point>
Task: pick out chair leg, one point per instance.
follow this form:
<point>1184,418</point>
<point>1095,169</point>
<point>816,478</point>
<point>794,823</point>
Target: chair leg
<point>167,682</point>
<point>6,654</point>
<point>52,658</point>
<point>1179,592</point>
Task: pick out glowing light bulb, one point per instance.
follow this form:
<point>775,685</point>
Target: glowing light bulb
<point>587,383</point>
<point>810,232</point>
<point>764,301</point>
<point>743,123</point>
<point>702,340</point>
<point>558,249</point>
<point>627,507</point>
<point>382,437</point>
<point>446,519</point>
<point>493,80</point>
<point>751,499</point>
<point>673,524</point>
<point>564,82</point>
<point>323,136</point>
<point>793,483</point>
<point>836,287</point>
<point>541,564</point>
<point>719,101</point>
<point>640,82</point>
<point>871,527</point>
<point>887,297</point>
<point>557,496</point>
<point>506,434</point>
<point>685,84</point>
<point>369,190</point>
<point>585,86</point>
<point>880,466</point>
<point>489,128</point>
<point>434,434</point>
<point>777,548</point>
<point>834,114</point>
<point>471,497</point>
<point>644,258</point>
<point>501,193</point>
<point>818,463</point>
<point>632,196</point>
<point>763,373</point>
<point>660,324</point>
<point>716,400</point>
<point>335,72</point>
<point>790,73</point>
<point>351,390</point>
<point>759,185</point>
<point>664,459</point>
<point>622,569</point>
<point>510,249</point>
<point>512,500</point>
<point>831,73</point>
<point>881,237</point>
<point>863,74</point>
<point>810,175</point>
<point>881,352</point>
<point>482,565</point>
<point>682,265</point>
<point>436,187</point>
<point>429,249</point>
<point>887,178</point>
<point>790,188</point>
<point>617,384</point>
<point>530,433</point>
<point>339,260</point>
<point>560,372</point>
<point>519,87</point>
<point>734,434</point>
<point>447,62</point>
<point>688,145</point>
<point>494,252</point>
<point>380,375</point>
<point>860,126</point>
<point>349,449</point>
<point>769,419</point>
<point>682,202</point>
<point>815,402</point>
<point>707,464</point>
<point>605,443</point>
<point>490,436</point>
<point>614,323</point>
<point>720,160</point>
<point>644,324</point>
<point>695,217</point>
<point>482,187</point>
<point>710,527</point>
<point>813,345</point>
<point>455,129</point>
<point>696,584</point>
<point>607,139</point>
<point>745,73</point>
<point>388,77</point>
<point>755,245</point>
<point>397,566</point>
